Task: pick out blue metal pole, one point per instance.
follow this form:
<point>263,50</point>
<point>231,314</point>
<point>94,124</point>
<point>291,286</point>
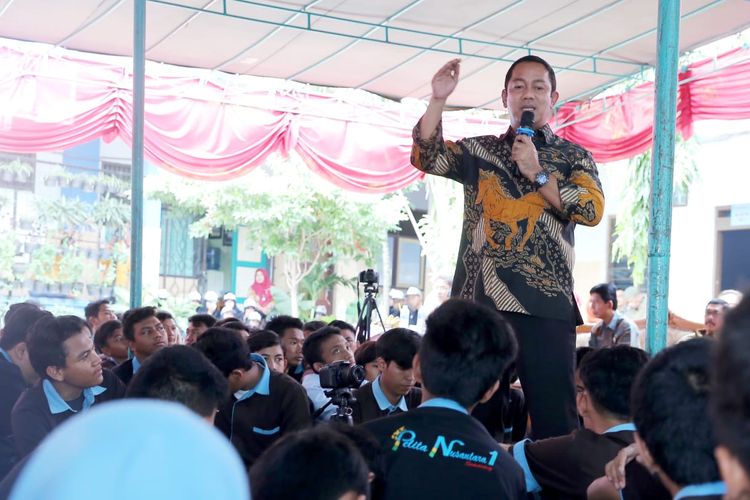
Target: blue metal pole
<point>660,227</point>
<point>136,219</point>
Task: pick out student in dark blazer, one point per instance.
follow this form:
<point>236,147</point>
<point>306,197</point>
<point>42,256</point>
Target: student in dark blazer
<point>145,335</point>
<point>393,390</point>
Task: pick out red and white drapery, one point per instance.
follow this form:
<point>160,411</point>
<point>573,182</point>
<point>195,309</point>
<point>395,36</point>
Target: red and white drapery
<point>214,126</point>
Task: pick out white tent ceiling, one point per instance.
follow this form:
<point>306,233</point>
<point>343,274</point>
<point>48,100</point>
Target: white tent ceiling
<point>591,43</point>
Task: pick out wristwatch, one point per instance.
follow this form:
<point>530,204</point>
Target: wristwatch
<point>542,177</point>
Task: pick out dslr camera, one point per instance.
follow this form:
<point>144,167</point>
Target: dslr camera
<point>341,375</point>
<point>369,278</point>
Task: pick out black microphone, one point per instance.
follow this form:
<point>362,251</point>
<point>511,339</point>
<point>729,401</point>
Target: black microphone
<point>527,124</point>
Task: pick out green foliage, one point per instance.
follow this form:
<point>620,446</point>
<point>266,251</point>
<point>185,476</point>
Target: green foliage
<point>294,215</point>
<point>7,258</point>
<point>441,227</point>
<point>631,229</point>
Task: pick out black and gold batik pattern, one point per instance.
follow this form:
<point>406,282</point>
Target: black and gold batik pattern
<point>516,251</point>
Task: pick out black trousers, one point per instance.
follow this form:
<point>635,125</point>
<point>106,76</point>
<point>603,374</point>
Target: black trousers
<point>546,367</point>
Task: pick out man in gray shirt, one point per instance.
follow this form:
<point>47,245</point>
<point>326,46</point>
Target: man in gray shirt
<point>613,328</point>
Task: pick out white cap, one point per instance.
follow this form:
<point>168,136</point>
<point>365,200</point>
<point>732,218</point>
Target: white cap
<point>413,291</point>
<point>211,296</point>
<point>230,296</point>
<point>396,294</point>
<point>194,296</point>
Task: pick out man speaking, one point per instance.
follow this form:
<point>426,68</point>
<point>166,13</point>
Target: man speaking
<point>524,192</point>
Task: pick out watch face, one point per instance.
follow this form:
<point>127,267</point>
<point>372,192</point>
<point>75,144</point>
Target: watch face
<point>541,178</point>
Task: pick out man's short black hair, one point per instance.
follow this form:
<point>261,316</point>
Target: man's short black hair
<point>730,386</point>
<point>608,375</point>
<point>398,345</point>
<point>718,302</point>
<point>104,333</point>
<point>465,350</point>
<point>18,321</point>
<point>342,325</point>
<point>607,292</point>
<point>366,353</point>
<point>181,374</point>
<point>262,339</point>
<point>313,325</point>
<point>46,338</point>
<point>282,323</point>
<point>670,411</point>
<point>202,319</point>
<point>311,349</point>
<point>532,59</point>
<point>164,315</point>
<point>315,464</point>
<point>133,316</point>
<point>225,348</point>
<point>236,325</point>
<point>92,308</point>
<point>582,352</point>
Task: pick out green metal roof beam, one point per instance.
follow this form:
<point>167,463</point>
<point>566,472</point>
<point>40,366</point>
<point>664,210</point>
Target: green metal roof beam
<point>388,32</point>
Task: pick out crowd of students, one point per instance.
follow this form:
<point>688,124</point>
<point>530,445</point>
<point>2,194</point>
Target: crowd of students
<point>78,416</point>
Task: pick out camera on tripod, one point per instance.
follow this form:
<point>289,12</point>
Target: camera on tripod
<point>370,279</point>
<point>341,375</point>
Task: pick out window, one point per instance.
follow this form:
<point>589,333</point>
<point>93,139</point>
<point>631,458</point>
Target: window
<point>619,273</point>
<point>120,170</point>
<point>180,254</point>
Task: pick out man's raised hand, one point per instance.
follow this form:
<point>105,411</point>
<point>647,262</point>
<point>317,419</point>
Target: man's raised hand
<point>445,80</point>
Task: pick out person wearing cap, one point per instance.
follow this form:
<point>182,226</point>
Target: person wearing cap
<point>230,309</point>
<point>211,299</point>
<point>397,300</point>
<point>414,303</point>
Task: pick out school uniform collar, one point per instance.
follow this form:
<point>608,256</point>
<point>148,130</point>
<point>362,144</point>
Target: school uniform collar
<point>628,426</point>
<point>58,405</point>
<point>444,403</point>
<point>613,322</point>
<point>6,356</point>
<point>716,488</point>
<point>382,400</point>
<point>263,387</point>
<point>136,365</point>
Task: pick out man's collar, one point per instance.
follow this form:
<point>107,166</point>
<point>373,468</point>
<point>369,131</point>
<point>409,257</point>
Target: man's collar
<point>382,400</point>
<point>613,322</point>
<point>58,405</point>
<point>545,133</point>
<point>717,488</point>
<point>6,356</point>
<point>136,365</point>
<point>263,387</point>
<point>444,403</point>
<point>627,426</point>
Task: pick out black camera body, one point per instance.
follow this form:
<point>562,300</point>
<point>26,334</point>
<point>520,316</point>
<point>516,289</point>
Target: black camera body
<point>369,277</point>
<point>341,375</point>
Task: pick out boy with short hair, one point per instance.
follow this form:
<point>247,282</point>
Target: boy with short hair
<point>322,348</point>
<point>289,330</point>
<point>267,344</point>
<point>145,335</point>
<point>183,375</point>
<point>62,352</point>
<point>197,324</point>
<point>393,390</point>
<point>263,406</point>
<point>464,352</point>
<point>670,410</point>
<point>111,344</point>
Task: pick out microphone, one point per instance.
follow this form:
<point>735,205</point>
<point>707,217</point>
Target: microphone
<point>527,124</point>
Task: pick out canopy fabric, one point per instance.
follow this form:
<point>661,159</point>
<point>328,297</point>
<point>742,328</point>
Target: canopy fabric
<point>213,126</point>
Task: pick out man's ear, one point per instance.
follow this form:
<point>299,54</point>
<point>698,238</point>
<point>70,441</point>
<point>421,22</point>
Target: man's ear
<point>490,392</point>
<point>55,373</point>
<point>504,97</point>
<point>555,96</point>
<point>381,364</point>
<point>317,366</point>
<point>19,352</point>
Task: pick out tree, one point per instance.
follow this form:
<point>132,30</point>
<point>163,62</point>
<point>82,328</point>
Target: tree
<point>631,228</point>
<point>292,214</point>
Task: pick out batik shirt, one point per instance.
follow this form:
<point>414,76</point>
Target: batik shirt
<point>516,250</point>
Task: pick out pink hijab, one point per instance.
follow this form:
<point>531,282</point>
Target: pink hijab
<point>262,290</point>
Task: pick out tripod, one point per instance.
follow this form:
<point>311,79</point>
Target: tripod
<point>365,313</point>
<point>342,399</point>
